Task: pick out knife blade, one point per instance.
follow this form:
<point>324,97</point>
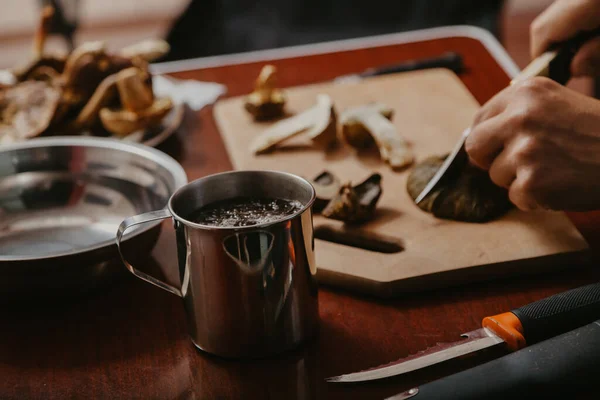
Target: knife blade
<point>516,329</point>
<point>452,61</point>
<point>554,64</point>
<point>558,368</point>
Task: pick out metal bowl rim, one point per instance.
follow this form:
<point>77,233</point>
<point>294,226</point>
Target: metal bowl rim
<point>157,156</point>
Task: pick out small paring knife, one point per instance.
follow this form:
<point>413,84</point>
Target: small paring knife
<point>554,64</point>
<point>524,326</point>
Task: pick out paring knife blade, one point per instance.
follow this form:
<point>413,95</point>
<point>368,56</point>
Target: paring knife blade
<point>516,329</point>
<point>474,341</point>
<point>451,166</point>
<point>554,64</point>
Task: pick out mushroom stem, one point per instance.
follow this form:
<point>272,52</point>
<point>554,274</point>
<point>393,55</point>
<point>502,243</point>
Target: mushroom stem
<point>135,93</point>
<point>102,96</point>
<point>42,31</point>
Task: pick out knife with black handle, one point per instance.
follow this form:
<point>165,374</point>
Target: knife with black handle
<point>560,367</point>
<point>515,330</point>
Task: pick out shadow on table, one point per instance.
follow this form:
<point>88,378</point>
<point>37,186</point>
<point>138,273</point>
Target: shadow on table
<point>126,319</point>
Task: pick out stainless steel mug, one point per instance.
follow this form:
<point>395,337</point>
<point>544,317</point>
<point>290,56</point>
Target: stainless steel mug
<point>247,291</point>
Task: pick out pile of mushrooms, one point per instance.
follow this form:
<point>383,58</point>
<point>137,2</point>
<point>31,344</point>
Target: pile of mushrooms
<point>89,90</point>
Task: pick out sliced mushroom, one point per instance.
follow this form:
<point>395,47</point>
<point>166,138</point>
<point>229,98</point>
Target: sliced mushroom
<point>26,110</point>
<point>147,50</point>
<point>266,101</point>
<point>327,186</point>
<point>140,108</point>
<point>318,124</point>
<point>363,125</point>
<point>355,204</point>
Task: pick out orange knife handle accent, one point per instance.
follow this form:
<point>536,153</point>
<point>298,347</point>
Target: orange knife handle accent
<point>508,327</point>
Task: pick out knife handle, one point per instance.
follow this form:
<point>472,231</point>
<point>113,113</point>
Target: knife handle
<point>559,68</point>
<point>555,63</point>
<point>547,318</point>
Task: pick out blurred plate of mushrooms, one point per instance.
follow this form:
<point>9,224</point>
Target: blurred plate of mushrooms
<point>89,92</point>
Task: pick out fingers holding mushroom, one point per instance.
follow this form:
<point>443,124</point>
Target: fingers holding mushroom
<point>471,197</point>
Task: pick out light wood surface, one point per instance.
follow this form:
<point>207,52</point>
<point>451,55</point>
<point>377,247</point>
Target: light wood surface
<point>431,110</point>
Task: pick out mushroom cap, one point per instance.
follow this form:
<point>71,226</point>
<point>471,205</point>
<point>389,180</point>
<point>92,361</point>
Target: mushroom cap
<point>148,50</point>
<point>26,110</point>
<point>30,70</point>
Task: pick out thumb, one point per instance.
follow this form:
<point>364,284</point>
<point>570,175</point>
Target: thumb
<point>587,60</point>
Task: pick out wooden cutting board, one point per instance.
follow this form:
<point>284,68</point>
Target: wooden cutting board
<point>432,108</point>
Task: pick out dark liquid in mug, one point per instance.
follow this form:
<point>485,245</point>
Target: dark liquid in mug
<point>244,211</point>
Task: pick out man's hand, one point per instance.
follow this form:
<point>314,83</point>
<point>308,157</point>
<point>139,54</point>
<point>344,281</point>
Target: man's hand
<point>541,140</point>
<point>562,21</point>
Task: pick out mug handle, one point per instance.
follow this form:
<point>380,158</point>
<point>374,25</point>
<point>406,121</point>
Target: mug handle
<point>137,220</point>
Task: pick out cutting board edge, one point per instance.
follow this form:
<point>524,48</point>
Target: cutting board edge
<point>452,278</point>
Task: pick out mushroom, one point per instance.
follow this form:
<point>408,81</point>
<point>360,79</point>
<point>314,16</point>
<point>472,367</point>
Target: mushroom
<point>41,66</point>
<point>147,50</point>
<point>140,108</point>
<point>26,110</point>
<point>103,96</point>
<point>85,70</point>
<point>355,204</point>
<point>327,186</point>
<point>318,124</point>
<point>470,197</point>
<point>266,101</point>
<point>364,125</point>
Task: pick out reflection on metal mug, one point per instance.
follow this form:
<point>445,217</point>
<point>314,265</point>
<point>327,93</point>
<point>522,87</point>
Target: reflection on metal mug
<point>248,291</point>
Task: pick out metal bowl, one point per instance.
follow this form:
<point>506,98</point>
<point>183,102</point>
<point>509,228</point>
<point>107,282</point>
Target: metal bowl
<point>61,201</point>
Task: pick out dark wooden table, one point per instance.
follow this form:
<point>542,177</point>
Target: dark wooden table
<point>129,340</point>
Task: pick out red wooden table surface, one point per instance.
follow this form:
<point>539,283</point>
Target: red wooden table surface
<point>129,340</point>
